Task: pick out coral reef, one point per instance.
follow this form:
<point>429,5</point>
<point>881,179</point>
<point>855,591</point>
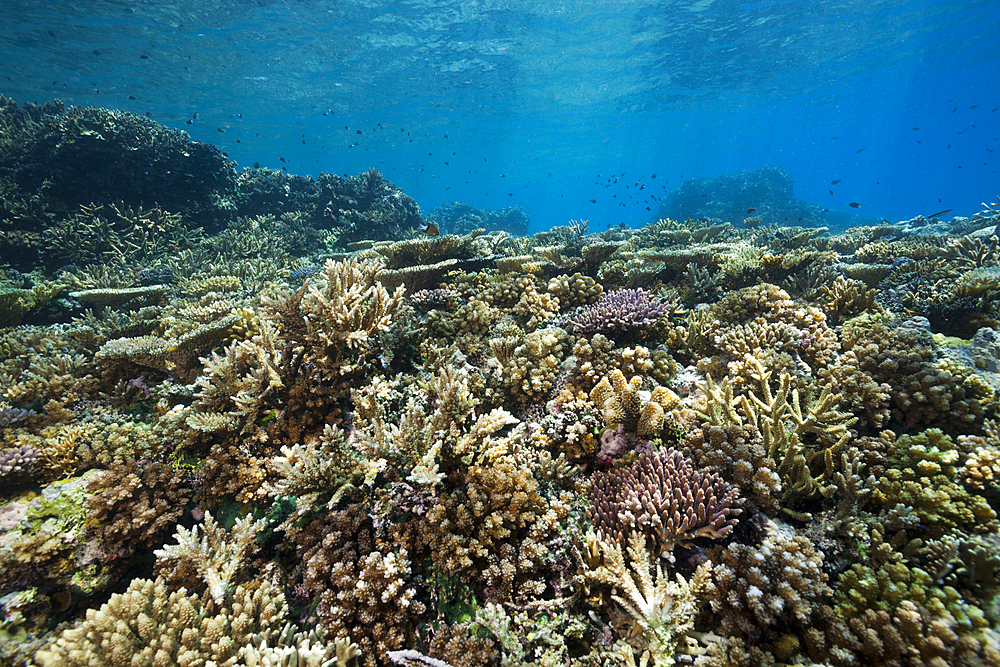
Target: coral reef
<point>334,437</point>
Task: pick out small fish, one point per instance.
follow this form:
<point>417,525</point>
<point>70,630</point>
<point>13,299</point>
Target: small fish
<point>750,210</point>
<point>835,182</point>
<point>431,228</point>
<point>283,159</point>
<point>830,191</point>
<point>916,128</point>
<point>974,106</point>
<point>854,204</point>
<point>934,215</point>
<point>144,57</point>
<point>861,149</point>
<point>593,201</point>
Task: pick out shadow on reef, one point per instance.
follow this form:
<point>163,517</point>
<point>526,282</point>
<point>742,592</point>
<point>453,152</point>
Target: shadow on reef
<point>64,168</point>
<point>279,442</point>
<point>760,196</point>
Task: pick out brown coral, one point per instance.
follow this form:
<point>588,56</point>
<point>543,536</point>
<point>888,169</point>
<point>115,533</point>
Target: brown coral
<point>664,499</point>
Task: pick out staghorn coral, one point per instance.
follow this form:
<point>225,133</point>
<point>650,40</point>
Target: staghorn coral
<point>661,612</point>
<point>149,626</point>
<point>663,499</point>
<point>211,556</point>
<point>847,298</point>
<point>341,316</point>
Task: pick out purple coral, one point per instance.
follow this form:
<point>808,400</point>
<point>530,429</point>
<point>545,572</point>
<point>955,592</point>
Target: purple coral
<point>620,311</point>
<point>10,415</point>
<point>17,464</point>
<point>663,497</point>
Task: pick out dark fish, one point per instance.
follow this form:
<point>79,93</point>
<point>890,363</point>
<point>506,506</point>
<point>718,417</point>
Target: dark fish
<point>830,191</point>
<point>131,97</point>
<point>854,204</point>
<point>861,149</point>
<point>916,128</point>
<point>751,210</point>
<point>653,176</point>
<point>934,215</point>
<point>282,159</point>
<point>96,52</point>
<point>593,201</point>
<point>220,129</point>
<point>835,182</point>
<point>144,57</point>
<point>974,106</point>
<point>431,228</point>
<point>954,110</point>
<point>189,121</point>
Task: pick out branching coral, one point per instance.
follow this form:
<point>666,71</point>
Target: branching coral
<point>622,402</point>
<point>336,322</point>
<point>134,502</point>
<point>149,626</point>
<point>210,555</point>
<point>663,499</point>
<point>754,588</point>
<point>662,612</point>
<point>620,313</point>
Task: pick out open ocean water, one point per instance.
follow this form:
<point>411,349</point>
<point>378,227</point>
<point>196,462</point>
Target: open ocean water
<point>500,103</point>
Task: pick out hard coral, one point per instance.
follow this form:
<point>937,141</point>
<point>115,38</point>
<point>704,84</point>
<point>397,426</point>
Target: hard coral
<point>664,499</point>
<point>136,501</point>
<point>619,313</point>
<point>147,626</point>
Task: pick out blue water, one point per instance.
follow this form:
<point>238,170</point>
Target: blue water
<point>537,104</point>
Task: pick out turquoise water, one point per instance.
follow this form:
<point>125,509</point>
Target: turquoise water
<point>503,103</point>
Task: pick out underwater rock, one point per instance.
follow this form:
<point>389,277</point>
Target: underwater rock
<point>728,198</point>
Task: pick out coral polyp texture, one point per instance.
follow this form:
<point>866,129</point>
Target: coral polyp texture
<point>254,418</point>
